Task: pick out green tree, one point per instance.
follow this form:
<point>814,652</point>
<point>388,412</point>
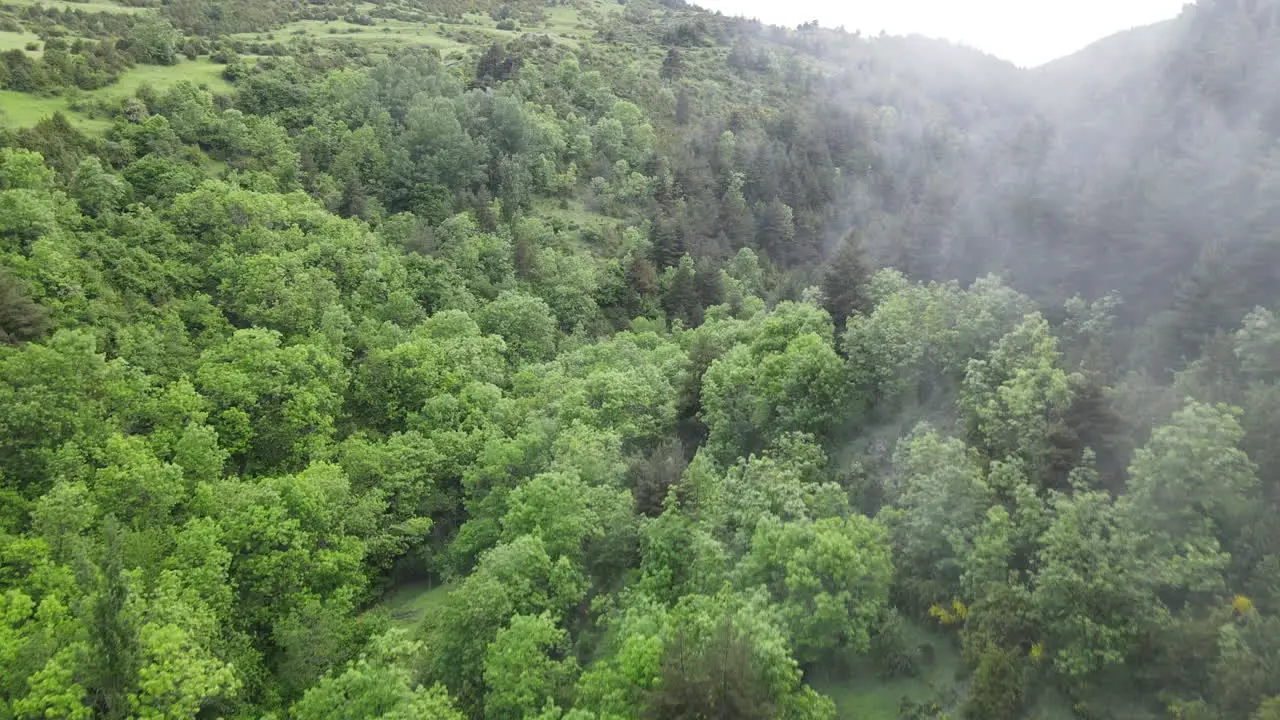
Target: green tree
<point>1189,490</point>
<point>21,319</point>
<point>844,280</point>
<point>377,685</point>
<point>830,578</point>
<point>516,578</point>
<point>1011,399</point>
<point>274,405</point>
<point>939,501</point>
<point>1093,599</point>
<point>525,323</point>
<point>522,671</point>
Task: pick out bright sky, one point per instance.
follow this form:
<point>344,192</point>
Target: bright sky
<point>1026,32</point>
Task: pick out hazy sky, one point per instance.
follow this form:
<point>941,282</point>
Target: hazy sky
<point>1027,32</point>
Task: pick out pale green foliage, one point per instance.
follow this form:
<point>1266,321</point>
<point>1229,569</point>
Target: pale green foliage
<point>525,323</point>
<point>1093,599</point>
<point>515,578</point>
<point>53,691</point>
<point>643,631</point>
<point>566,513</point>
<point>788,482</point>
<point>520,671</point>
<point>24,169</point>
<point>290,538</point>
<point>273,404</point>
<point>920,338</point>
<point>444,374</point>
<point>787,379</point>
<point>939,500</point>
<point>97,190</point>
<point>1258,345</point>
<point>377,686</point>
<point>678,556</point>
<point>178,676</point>
<point>626,385</point>
<point>1010,398</point>
<point>830,578</point>
<point>1189,487</point>
<point>483,259</point>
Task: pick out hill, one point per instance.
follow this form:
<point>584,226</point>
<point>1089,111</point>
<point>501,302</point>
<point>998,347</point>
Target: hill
<point>585,360</point>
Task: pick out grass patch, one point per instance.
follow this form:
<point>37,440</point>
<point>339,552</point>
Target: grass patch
<point>20,110</point>
<point>409,604</point>
<point>201,72</point>
<point>860,694</point>
<point>91,6</point>
<point>18,41</point>
<point>385,32</point>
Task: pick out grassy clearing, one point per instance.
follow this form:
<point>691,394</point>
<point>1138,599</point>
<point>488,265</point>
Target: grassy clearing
<point>408,604</point>
<point>18,41</point>
<point>201,72</point>
<point>19,110</point>
<point>91,6</point>
<point>388,32</point>
<point>861,694</point>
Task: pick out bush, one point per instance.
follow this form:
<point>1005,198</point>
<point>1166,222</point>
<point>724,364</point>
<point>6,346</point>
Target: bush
<point>32,46</point>
<point>890,651</point>
<point>998,690</point>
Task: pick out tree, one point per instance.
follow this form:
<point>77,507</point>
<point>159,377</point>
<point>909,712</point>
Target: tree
<point>830,578</point>
<point>672,65</point>
<point>516,578</point>
<point>1013,398</point>
<point>523,670</point>
<point>273,404</point>
<point>21,319</point>
<point>1093,600</point>
<point>1189,489</point>
<point>940,499</point>
<point>721,679</point>
<point>497,65</point>
<point>567,514</point>
<point>681,298</point>
<point>750,397</point>
<point>712,657</point>
<point>844,280</point>
<point>97,190</point>
<point>377,685</point>
<point>154,41</point>
<point>525,323</point>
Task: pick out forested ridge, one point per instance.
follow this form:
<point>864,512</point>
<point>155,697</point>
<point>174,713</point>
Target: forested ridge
<point>581,360</point>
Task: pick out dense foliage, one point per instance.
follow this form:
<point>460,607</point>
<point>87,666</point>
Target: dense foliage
<point>589,337</point>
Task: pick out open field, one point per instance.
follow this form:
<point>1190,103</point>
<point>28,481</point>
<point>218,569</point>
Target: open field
<point>201,72</point>
<point>19,110</point>
<point>19,41</point>
<point>91,6</point>
<point>24,110</point>
<point>392,32</point>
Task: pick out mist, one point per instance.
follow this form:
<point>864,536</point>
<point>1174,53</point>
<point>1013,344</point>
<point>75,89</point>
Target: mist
<point>1025,34</point>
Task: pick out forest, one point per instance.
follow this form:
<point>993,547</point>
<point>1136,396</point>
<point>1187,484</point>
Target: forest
<point>599,360</point>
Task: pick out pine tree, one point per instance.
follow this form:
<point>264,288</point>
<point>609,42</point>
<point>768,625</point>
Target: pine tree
<point>667,241</point>
<point>20,318</point>
<point>681,299</point>
<point>844,280</point>
<point>672,65</point>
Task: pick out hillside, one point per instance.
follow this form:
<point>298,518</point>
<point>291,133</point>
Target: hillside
<point>585,360</point>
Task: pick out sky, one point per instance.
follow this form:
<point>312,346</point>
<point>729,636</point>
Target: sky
<point>1025,32</point>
